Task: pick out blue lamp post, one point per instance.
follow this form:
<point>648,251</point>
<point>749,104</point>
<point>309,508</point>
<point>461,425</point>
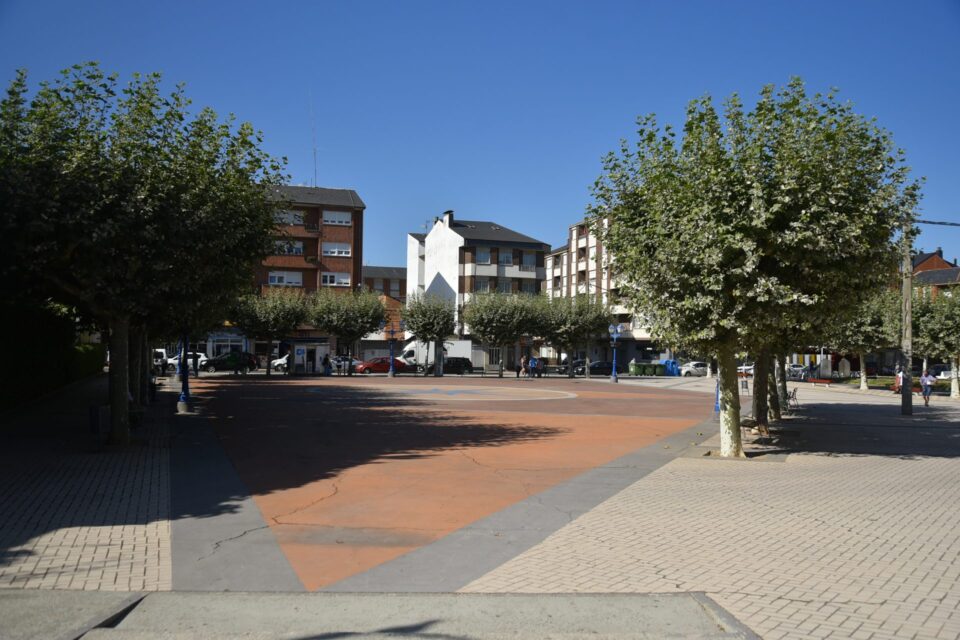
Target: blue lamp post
<point>392,332</point>
<point>615,331</point>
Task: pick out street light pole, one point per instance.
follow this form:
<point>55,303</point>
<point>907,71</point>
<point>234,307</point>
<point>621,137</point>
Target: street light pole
<point>615,332</point>
<point>906,344</point>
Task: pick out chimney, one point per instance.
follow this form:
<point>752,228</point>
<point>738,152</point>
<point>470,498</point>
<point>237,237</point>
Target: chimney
<point>447,217</point>
<point>940,251</point>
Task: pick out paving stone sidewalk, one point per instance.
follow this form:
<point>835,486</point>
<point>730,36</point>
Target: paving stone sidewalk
<point>819,545</point>
<point>72,517</point>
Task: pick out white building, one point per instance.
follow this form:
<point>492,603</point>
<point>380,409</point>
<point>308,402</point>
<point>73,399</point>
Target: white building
<point>459,258</point>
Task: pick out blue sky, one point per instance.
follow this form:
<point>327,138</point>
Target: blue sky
<point>503,110</point>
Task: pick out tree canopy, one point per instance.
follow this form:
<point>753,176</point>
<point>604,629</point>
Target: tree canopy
<point>119,200</point>
<point>273,314</point>
<point>754,221</point>
<point>348,315</point>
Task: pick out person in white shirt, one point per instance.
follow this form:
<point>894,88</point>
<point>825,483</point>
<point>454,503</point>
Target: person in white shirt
<point>926,382</point>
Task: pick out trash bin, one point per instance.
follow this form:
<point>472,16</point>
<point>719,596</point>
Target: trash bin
<point>634,369</point>
<point>647,370</point>
<point>660,370</point>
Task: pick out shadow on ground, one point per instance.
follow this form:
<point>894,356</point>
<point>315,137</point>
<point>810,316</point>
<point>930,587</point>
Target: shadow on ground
<point>281,435</point>
<point>869,430</point>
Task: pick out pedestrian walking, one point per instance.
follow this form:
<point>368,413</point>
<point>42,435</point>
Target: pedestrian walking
<point>327,367</point>
<point>926,383</point>
<point>523,366</point>
<point>532,366</point>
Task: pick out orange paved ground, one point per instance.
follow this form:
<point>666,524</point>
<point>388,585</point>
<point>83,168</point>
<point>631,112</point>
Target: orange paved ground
<point>349,474</point>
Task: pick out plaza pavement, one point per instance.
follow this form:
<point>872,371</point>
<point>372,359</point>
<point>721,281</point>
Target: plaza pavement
<point>844,526</point>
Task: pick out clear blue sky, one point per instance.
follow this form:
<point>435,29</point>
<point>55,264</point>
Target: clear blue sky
<point>502,110</point>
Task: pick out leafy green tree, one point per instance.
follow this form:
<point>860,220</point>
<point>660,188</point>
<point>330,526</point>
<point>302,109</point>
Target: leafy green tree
<point>499,319</point>
<point>874,325</point>
<point>937,331</point>
<point>753,221</point>
<point>347,315</point>
<point>272,315</point>
<point>568,322</point>
<point>430,319</point>
<point>114,198</point>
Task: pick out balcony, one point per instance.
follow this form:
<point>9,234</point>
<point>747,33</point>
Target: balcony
<point>528,267</point>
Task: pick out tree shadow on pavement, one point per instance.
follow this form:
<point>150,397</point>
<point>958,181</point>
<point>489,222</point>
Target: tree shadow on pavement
<point>284,436</point>
<point>870,429</point>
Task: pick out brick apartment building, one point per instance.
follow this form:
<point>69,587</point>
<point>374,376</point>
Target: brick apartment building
<point>391,284</point>
<point>319,244</point>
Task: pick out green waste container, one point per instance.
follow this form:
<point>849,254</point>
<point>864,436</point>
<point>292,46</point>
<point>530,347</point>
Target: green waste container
<point>647,370</point>
<point>634,369</point>
<point>660,370</point>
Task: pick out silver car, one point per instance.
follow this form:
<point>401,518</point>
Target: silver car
<point>693,369</point>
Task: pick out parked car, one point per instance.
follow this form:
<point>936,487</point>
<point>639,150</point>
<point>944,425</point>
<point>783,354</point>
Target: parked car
<point>599,368</point>
<point>380,365</point>
<point>232,361</point>
<point>796,371</point>
<point>454,365</point>
<point>280,364</point>
<point>340,363</point>
<point>562,369</point>
<point>175,358</point>
<point>693,369</point>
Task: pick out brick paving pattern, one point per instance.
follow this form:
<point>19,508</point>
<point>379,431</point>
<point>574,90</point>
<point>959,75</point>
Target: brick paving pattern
<point>817,546</point>
<point>95,521</point>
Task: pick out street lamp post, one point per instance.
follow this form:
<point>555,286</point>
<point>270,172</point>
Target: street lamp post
<point>392,332</point>
<point>615,331</point>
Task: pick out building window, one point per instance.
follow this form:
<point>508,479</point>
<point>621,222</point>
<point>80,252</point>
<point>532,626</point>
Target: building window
<point>341,218</point>
<point>481,285</point>
<point>504,285</point>
<point>528,286</point>
<point>289,248</point>
<point>529,261</point>
<point>483,255</point>
<point>549,263</point>
<point>506,257</point>
<point>378,284</point>
<point>335,279</point>
<point>289,217</point>
<point>581,230</point>
<point>285,278</point>
<point>395,288</point>
<point>336,248</point>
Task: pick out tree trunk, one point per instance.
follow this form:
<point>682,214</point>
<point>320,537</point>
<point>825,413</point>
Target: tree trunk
<point>119,381</point>
<point>437,358</point>
<point>586,363</point>
<point>924,368</point>
<point>731,445</point>
<point>760,408</point>
<point>709,368</point>
<point>773,393</point>
<point>270,355</point>
<point>135,354</point>
<point>863,371</point>
<point>570,351</point>
<point>146,366</point>
<point>782,382</point>
<point>954,377</point>
<point>503,352</point>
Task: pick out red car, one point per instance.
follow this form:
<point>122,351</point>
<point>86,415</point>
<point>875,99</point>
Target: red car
<point>381,365</point>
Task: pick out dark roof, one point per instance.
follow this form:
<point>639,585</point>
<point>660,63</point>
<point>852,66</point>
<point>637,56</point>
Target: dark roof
<point>393,273</point>
<point>419,236</point>
<point>937,277</point>
<point>477,231</point>
<point>559,249</point>
<point>920,258</point>
<point>322,196</point>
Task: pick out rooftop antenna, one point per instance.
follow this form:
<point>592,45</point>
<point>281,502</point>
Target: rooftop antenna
<point>313,133</point>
